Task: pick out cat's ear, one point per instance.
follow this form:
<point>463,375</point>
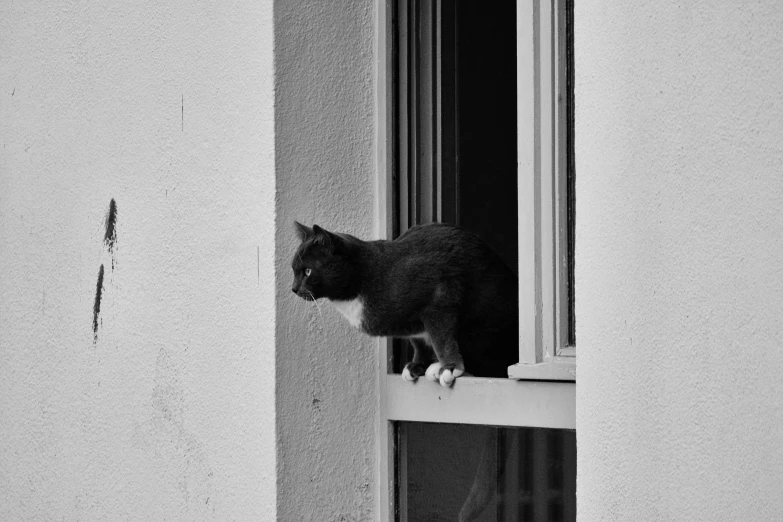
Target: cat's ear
<point>326,238</point>
<point>302,231</point>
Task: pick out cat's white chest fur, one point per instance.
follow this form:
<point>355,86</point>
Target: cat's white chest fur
<point>353,310</point>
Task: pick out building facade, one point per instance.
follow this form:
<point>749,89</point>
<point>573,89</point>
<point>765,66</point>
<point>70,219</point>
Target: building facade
<point>154,364</point>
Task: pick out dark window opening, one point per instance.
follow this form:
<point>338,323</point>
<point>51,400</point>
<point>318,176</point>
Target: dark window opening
<point>455,117</point>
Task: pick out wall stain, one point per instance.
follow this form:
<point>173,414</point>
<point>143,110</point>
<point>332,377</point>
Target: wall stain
<point>96,307</point>
<point>110,242</point>
<point>110,238</point>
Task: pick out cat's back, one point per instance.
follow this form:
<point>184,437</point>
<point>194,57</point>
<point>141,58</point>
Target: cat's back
<point>434,237</point>
<point>427,254</point>
<point>444,243</point>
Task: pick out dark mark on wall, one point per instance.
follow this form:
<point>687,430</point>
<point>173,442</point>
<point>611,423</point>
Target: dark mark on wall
<point>12,92</point>
<point>96,307</point>
<point>258,265</point>
<point>110,242</point>
<point>183,113</point>
<point>110,238</point>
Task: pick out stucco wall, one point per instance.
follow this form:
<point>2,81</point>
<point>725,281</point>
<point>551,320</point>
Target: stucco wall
<point>166,411</point>
<point>679,276</point>
<point>327,384</point>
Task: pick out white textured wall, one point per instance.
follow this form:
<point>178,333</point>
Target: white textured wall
<point>169,413</point>
<point>679,260</point>
<point>327,385</point>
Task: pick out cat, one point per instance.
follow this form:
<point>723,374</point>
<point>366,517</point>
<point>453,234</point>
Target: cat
<point>437,285</point>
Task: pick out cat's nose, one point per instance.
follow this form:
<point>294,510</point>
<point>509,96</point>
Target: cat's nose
<point>295,289</point>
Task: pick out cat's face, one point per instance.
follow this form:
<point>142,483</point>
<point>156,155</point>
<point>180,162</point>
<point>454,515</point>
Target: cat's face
<point>321,265</point>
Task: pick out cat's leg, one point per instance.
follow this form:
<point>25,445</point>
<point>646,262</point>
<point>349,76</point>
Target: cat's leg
<point>422,357</point>
<point>442,328</point>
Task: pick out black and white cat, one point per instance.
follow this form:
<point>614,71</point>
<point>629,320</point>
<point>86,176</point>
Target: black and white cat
<point>437,285</point>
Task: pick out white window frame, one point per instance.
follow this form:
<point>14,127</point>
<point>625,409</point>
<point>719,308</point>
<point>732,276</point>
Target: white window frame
<point>523,400</point>
<point>543,253</point>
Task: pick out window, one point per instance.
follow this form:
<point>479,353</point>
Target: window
<point>475,128</point>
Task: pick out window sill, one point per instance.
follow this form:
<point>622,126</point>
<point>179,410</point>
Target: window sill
<point>560,369</point>
<point>475,400</point>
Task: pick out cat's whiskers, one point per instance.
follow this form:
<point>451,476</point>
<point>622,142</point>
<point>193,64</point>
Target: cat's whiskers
<point>320,314</point>
<point>317,306</point>
<point>299,302</point>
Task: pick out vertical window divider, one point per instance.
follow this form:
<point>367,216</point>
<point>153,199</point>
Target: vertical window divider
<point>547,151</point>
<point>437,161</point>
<point>528,175</point>
<point>386,150</point>
<point>414,114</point>
<point>561,105</point>
<point>403,112</point>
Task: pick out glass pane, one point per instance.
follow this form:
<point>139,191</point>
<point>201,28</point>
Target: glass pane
<point>448,472</point>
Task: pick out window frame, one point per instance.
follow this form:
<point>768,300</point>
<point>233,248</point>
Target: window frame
<point>543,248</point>
<point>541,390</point>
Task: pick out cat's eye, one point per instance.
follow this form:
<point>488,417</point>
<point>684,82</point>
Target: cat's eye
<point>308,272</point>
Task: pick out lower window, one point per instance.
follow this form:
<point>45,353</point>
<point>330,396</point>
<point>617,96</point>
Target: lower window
<point>484,473</point>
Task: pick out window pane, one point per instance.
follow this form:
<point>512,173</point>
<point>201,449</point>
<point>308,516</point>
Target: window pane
<point>449,472</point>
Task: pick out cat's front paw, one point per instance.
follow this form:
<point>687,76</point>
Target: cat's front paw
<point>412,371</point>
<point>447,376</point>
<point>433,371</point>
